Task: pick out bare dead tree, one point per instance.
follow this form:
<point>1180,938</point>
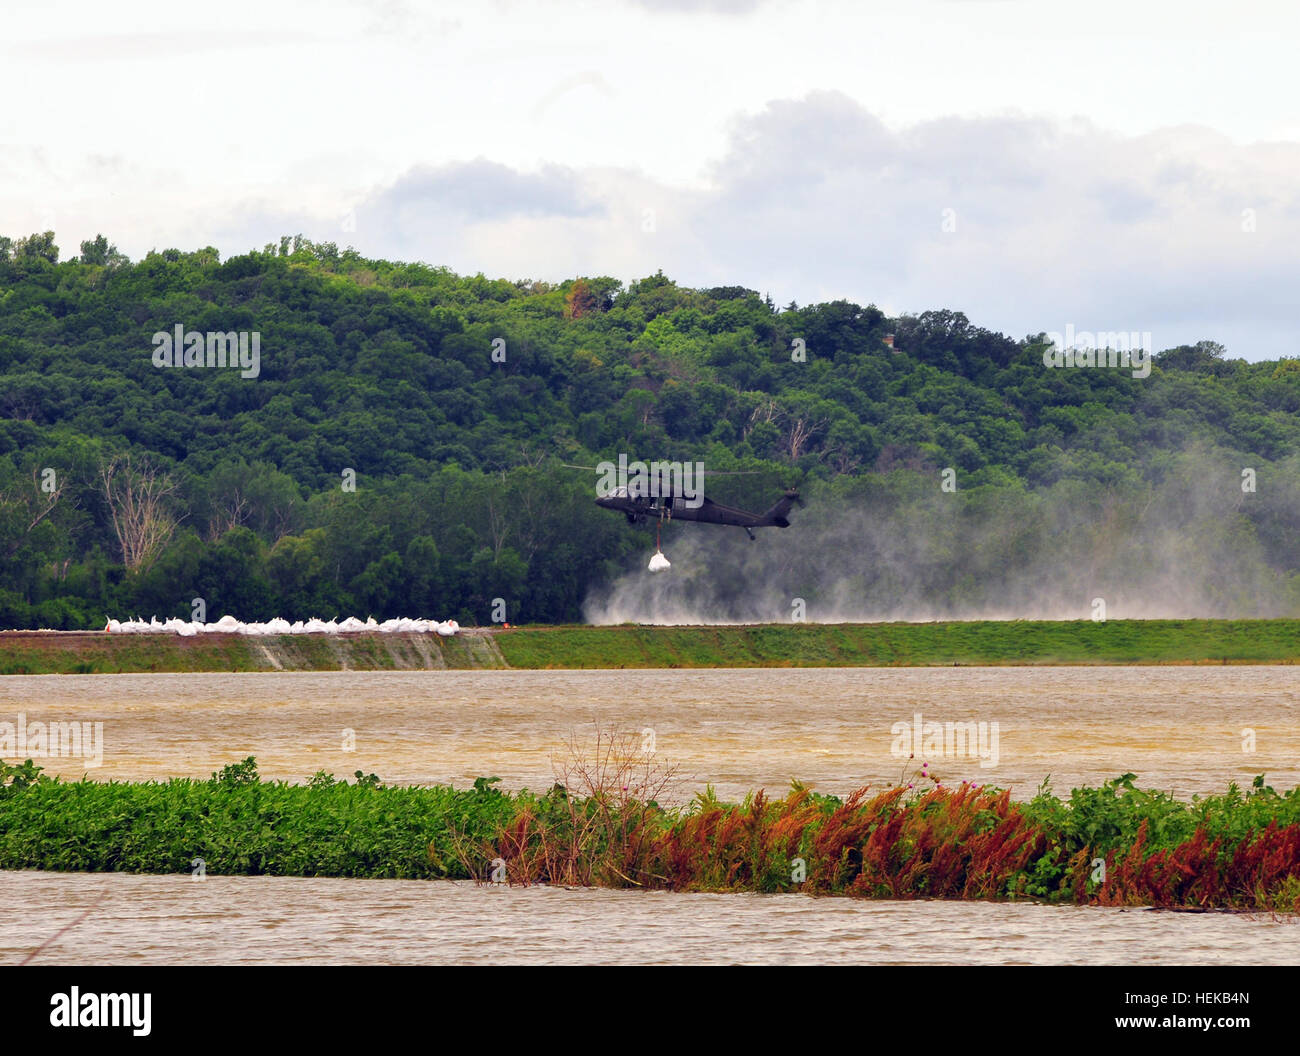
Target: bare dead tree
<point>139,503</point>
<point>621,767</point>
<point>230,512</point>
<point>618,780</point>
<point>284,513</point>
<point>801,427</point>
<point>598,825</point>
<point>32,506</point>
<point>531,459</point>
<point>801,431</point>
<point>498,528</point>
<point>763,412</point>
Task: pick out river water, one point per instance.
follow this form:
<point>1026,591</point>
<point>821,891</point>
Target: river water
<point>292,920</point>
<point>1188,730</point>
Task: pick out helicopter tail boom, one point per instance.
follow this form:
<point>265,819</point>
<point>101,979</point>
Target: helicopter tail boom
<point>775,517</point>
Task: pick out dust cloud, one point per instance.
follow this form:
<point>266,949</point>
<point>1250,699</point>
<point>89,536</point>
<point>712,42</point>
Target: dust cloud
<point>1187,540</point>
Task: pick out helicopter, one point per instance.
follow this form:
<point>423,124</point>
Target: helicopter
<point>671,501</point>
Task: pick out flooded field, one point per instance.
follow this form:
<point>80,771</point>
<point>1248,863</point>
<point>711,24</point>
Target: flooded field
<point>291,920</point>
<point>1188,730</point>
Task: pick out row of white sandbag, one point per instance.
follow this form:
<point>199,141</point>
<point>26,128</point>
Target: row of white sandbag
<point>230,625</point>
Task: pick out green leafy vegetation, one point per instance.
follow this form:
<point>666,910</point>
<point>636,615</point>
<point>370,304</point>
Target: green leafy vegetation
<point>603,826</point>
<point>166,484</point>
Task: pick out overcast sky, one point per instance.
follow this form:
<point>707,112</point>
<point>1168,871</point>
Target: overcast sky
<point>1117,166</point>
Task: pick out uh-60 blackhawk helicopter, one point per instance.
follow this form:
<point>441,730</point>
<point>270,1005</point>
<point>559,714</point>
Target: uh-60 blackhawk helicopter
<point>664,492</point>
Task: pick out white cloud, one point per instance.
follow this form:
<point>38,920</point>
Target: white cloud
<point>806,147</point>
<point>816,199</point>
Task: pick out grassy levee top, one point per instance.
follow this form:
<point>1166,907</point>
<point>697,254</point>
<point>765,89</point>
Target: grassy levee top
<point>992,643</point>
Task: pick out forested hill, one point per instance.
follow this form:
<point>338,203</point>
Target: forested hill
<point>126,487</point>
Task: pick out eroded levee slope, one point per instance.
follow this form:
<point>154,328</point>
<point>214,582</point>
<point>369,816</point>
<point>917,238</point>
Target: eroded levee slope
<point>97,653</point>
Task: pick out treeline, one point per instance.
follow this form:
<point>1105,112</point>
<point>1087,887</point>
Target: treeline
<point>252,544</point>
<point>450,401</point>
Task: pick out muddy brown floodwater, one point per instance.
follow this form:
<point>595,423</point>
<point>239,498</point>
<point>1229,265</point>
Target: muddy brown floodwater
<point>293,920</point>
<point>1187,730</point>
<point>1181,729</point>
